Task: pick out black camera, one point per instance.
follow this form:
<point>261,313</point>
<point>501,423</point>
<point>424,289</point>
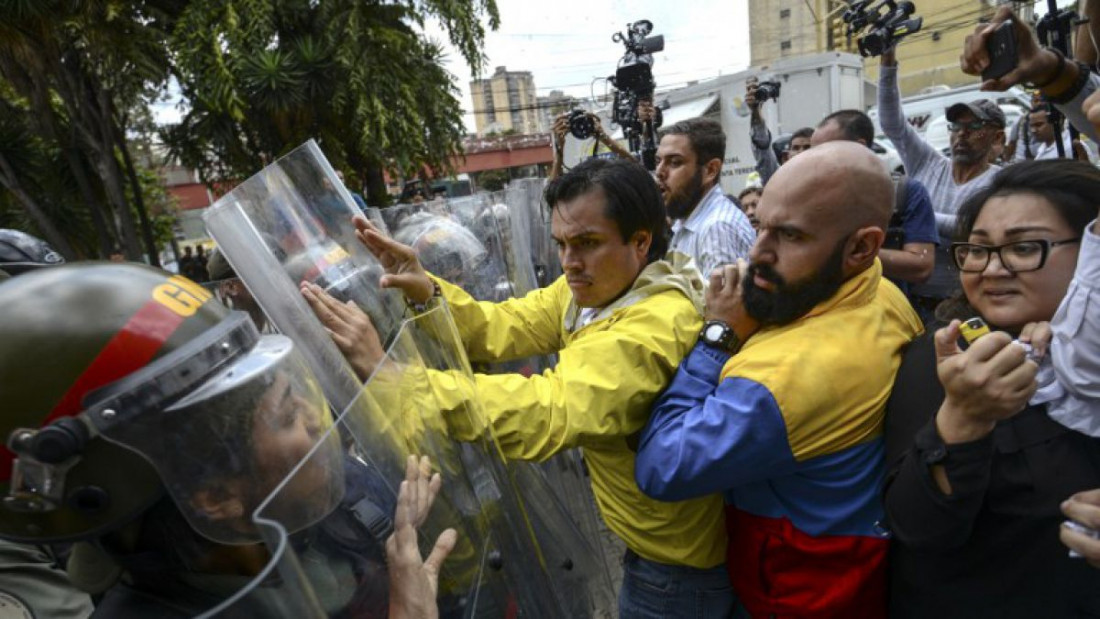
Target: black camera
<point>767,90</point>
<point>633,82</point>
<point>890,21</point>
<point>581,125</point>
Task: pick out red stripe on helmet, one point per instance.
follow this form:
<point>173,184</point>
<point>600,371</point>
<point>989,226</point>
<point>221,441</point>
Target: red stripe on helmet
<point>133,347</point>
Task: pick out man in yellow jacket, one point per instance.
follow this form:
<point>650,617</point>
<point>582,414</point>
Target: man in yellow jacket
<point>620,320</point>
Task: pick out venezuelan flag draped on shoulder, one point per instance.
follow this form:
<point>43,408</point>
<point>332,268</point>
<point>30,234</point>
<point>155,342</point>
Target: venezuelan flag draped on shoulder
<point>793,436</point>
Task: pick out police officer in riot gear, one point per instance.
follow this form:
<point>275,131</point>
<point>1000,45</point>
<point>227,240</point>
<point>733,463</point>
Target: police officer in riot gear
<point>21,252</point>
<point>190,459</point>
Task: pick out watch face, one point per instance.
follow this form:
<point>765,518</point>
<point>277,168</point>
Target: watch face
<point>714,333</point>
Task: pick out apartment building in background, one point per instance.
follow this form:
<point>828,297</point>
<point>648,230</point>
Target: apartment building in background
<point>505,102</point>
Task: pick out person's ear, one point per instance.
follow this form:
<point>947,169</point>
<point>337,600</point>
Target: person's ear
<point>711,171</point>
<point>218,502</point>
<point>863,247</point>
<point>641,241</point>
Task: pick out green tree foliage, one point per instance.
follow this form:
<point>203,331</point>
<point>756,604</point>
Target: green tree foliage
<point>75,67</point>
<point>263,76</point>
<point>492,180</point>
<point>260,76</point>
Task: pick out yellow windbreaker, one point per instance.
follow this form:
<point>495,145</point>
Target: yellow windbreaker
<point>597,397</point>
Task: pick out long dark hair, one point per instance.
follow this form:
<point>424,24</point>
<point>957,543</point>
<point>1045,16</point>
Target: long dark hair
<point>1071,187</point>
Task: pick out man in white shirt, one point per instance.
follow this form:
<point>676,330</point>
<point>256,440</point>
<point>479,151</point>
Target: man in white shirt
<point>1043,145</point>
<point>706,225</point>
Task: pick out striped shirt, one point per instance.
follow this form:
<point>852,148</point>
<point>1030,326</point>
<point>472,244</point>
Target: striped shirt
<point>715,233</point>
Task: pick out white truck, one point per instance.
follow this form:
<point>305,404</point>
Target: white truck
<point>811,87</point>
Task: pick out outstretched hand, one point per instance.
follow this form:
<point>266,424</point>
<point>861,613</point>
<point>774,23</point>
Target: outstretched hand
<point>403,269</point>
<point>414,582</point>
<point>350,328</point>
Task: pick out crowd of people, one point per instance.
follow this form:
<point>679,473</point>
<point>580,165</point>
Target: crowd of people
<point>782,405</point>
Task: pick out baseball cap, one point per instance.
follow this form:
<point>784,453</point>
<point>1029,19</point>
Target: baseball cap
<point>982,109</point>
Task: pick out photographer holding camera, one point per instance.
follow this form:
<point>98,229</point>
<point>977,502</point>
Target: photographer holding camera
<point>767,163</point>
<point>583,125</point>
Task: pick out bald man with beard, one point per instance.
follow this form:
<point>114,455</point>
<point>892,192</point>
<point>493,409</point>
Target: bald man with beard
<point>780,405</point>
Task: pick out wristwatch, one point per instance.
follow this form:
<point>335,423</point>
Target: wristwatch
<point>719,335</point>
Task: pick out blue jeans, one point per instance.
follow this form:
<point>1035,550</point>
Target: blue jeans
<point>658,591</point>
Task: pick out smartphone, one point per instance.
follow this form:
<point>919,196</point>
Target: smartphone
<point>970,330</point>
<point>1001,46</point>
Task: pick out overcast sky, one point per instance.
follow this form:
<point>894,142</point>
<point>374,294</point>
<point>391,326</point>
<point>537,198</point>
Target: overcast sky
<point>566,44</point>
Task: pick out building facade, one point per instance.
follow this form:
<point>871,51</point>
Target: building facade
<point>928,58</point>
<point>505,103</point>
<point>551,106</point>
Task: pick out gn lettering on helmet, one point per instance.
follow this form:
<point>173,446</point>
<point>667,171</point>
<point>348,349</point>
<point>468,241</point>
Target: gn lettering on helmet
<point>181,296</point>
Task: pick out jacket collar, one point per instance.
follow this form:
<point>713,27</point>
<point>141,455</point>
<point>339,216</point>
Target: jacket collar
<point>673,273</point>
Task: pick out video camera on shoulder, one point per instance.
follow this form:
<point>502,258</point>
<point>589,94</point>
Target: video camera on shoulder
<point>889,22</point>
<point>633,82</point>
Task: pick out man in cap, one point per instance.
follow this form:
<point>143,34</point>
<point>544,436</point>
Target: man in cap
<point>976,127</point>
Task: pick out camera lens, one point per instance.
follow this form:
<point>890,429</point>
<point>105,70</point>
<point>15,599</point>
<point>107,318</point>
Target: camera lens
<point>581,125</point>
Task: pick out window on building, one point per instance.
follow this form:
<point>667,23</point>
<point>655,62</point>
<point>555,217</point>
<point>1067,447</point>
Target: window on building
<point>784,13</point>
<point>785,45</point>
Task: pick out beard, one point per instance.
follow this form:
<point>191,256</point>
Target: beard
<point>680,204</point>
<point>789,301</point>
<point>966,155</point>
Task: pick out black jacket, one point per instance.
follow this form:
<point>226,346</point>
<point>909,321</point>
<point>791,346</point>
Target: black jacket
<point>991,549</point>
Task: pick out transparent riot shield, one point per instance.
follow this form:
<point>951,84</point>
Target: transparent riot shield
<point>336,566</point>
<point>279,204</point>
<point>291,223</point>
<point>525,195</point>
<point>524,224</point>
<point>513,224</point>
<point>573,558</point>
<point>475,243</point>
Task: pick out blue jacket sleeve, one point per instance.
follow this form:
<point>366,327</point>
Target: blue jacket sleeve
<point>919,220</point>
<point>704,436</point>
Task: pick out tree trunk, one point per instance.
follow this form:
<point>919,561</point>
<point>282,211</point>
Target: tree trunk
<point>37,215</point>
<point>139,200</point>
<point>104,235</point>
<point>67,141</point>
<point>375,181</point>
<point>104,146</point>
<point>84,101</point>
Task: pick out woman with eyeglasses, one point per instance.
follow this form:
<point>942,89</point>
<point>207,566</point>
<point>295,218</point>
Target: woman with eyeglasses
<point>978,465</point>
